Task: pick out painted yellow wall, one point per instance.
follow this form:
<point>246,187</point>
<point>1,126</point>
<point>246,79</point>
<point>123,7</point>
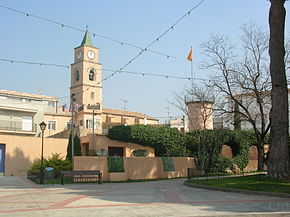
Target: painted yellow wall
<point>136,167</point>
<point>61,123</point>
<point>21,151</point>
<point>129,120</point>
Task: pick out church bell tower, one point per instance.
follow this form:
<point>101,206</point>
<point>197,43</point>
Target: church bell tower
<point>86,86</point>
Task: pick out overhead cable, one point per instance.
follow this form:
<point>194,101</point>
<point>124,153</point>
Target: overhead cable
<point>108,70</point>
<point>154,41</point>
<point>91,33</point>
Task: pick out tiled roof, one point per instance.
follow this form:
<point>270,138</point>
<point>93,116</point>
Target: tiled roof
<point>26,95</point>
<point>127,113</point>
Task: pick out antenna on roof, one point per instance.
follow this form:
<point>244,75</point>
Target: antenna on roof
<point>125,102</point>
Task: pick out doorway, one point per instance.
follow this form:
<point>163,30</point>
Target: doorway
<point>2,158</point>
<point>116,151</point>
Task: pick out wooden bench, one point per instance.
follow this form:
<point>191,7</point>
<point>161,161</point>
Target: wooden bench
<point>82,175</point>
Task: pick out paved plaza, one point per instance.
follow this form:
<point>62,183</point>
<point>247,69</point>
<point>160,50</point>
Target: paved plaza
<point>20,197</point>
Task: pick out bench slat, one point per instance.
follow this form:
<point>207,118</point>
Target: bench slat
<point>82,173</point>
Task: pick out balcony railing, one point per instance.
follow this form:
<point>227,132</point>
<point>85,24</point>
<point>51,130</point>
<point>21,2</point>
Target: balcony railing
<point>17,126</point>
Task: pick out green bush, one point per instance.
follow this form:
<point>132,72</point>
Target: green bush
<point>77,147</point>
<point>55,161</point>
<point>211,142</point>
<point>202,144</point>
<point>222,164</point>
<point>165,141</point>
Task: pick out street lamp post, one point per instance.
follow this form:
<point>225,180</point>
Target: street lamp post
<point>42,127</point>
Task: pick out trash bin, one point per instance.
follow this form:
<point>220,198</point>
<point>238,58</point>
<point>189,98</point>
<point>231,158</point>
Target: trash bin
<point>48,173</point>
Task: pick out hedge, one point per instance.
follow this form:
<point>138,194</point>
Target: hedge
<point>213,140</point>
<point>165,141</point>
<point>169,142</point>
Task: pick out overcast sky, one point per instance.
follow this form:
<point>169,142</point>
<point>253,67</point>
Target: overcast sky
<point>137,22</point>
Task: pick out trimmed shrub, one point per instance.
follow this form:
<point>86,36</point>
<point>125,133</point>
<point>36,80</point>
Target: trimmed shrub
<point>222,163</point>
<point>55,161</point>
<point>165,141</point>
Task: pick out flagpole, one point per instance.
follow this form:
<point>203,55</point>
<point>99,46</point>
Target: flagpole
<point>191,71</point>
<point>189,57</point>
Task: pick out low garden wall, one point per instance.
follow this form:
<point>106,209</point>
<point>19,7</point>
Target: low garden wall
<point>135,168</point>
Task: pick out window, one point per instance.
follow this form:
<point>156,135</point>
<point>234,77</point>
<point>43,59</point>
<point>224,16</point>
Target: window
<point>81,122</point>
<point>68,125</point>
<point>92,75</point>
<point>89,124</point>
<point>73,97</point>
<point>92,95</point>
<point>51,103</point>
<point>77,75</point>
<point>51,125</point>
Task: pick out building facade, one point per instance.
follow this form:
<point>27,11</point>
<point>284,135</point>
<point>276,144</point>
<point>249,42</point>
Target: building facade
<point>249,101</point>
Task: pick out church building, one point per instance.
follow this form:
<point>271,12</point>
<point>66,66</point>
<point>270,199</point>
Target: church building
<point>21,113</point>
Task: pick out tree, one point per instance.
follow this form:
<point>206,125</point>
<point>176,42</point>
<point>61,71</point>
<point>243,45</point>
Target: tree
<point>237,118</point>
<point>278,165</point>
<point>77,147</point>
<point>243,79</point>
<point>199,118</point>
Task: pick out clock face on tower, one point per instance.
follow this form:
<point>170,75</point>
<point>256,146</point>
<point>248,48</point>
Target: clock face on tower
<point>79,55</point>
<point>91,54</point>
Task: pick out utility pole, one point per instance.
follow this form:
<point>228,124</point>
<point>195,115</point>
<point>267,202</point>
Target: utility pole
<point>93,126</point>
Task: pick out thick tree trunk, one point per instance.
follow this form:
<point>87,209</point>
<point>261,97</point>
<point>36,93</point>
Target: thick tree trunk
<point>261,159</point>
<point>278,153</point>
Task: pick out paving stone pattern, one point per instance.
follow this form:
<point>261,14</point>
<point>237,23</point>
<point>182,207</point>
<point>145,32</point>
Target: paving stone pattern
<point>20,197</point>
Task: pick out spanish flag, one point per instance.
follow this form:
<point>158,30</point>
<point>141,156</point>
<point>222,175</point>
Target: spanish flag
<point>189,57</point>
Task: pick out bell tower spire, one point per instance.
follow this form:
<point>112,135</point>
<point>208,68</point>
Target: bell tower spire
<point>87,40</point>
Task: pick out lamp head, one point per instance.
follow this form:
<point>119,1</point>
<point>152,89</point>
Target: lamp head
<point>42,126</point>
